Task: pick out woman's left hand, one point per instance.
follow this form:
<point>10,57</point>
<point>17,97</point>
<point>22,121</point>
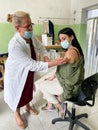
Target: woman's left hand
<point>51,77</point>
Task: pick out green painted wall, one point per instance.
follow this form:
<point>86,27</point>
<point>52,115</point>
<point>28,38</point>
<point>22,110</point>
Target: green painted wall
<point>7,31</point>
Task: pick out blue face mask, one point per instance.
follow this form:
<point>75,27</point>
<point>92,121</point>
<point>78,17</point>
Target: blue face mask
<point>28,34</point>
<point>65,44</point>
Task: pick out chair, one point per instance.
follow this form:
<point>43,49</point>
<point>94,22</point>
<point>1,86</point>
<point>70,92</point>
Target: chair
<point>3,57</point>
<point>85,97</point>
<point>1,75</point>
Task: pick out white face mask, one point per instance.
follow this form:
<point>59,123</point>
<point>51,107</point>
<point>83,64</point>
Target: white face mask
<point>65,44</point>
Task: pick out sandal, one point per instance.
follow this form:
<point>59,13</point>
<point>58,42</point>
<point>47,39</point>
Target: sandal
<point>32,111</point>
<point>46,107</point>
<point>20,122</point>
<point>61,109</point>
<point>22,125</point>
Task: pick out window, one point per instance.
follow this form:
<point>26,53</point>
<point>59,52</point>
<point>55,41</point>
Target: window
<point>92,13</point>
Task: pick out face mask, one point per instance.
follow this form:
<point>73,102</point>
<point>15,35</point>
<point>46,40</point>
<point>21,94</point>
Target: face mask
<point>65,44</point>
<point>28,34</point>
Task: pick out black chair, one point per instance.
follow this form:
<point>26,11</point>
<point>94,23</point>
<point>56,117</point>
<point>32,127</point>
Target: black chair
<point>85,97</point>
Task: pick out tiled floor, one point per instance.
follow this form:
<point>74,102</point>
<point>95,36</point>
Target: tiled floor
<point>43,120</point>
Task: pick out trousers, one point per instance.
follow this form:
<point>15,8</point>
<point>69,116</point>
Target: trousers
<point>49,89</point>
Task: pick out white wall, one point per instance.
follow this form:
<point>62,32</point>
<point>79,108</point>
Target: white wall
<point>78,5</point>
<point>46,8</point>
<point>36,8</point>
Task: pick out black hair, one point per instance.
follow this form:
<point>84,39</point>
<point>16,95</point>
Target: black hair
<point>68,31</point>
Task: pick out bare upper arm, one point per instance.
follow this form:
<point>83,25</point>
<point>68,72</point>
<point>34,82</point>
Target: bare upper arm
<point>72,55</point>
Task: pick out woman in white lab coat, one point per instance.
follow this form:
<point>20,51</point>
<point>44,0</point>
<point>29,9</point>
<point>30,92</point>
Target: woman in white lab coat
<point>21,65</point>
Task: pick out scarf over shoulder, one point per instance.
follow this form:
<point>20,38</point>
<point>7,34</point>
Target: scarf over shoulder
<point>70,77</point>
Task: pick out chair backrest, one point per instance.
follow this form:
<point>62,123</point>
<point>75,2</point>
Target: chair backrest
<point>89,88</point>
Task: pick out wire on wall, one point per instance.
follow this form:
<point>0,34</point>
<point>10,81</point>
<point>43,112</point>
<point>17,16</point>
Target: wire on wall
<point>57,20</point>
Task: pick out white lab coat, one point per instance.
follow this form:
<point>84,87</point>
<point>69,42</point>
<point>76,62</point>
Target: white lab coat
<point>17,66</point>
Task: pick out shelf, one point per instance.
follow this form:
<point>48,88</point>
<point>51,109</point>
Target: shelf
<point>53,47</point>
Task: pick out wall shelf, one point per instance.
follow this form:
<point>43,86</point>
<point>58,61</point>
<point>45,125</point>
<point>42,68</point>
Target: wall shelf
<point>56,47</point>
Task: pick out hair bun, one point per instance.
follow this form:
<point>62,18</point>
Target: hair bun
<point>9,17</point>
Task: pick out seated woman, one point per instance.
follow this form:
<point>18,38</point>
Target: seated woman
<point>66,82</point>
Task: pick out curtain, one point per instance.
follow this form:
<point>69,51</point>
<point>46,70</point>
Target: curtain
<point>91,55</point>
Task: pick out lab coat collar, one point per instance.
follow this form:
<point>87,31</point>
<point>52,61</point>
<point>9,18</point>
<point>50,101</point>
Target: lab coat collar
<point>18,36</point>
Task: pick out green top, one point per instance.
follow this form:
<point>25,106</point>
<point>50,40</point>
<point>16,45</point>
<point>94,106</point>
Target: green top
<point>70,77</point>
